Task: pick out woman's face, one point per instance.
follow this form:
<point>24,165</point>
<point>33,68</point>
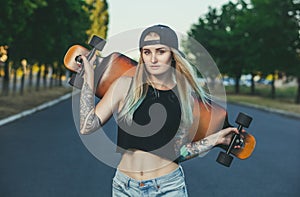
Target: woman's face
<point>157,59</point>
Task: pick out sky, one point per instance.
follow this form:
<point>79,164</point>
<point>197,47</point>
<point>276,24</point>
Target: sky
<point>126,15</point>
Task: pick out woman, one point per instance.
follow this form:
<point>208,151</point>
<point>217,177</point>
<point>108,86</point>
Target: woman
<point>155,112</point>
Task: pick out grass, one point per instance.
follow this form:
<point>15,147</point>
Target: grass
<point>282,93</point>
<point>285,98</point>
<point>264,102</point>
<point>13,104</point>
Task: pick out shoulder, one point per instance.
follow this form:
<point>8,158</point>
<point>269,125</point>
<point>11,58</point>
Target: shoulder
<point>123,82</point>
<point>121,85</point>
<point>125,79</point>
<point>117,91</point>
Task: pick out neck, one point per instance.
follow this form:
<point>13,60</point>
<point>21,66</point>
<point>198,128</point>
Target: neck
<point>162,82</point>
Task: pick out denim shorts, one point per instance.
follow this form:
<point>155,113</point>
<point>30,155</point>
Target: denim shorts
<point>172,184</point>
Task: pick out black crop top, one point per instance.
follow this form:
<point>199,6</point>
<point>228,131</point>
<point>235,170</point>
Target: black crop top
<point>154,126</point>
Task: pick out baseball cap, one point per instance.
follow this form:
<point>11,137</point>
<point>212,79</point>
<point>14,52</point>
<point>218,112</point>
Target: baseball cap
<point>167,36</point>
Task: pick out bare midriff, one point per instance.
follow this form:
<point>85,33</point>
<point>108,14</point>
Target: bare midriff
<point>141,165</point>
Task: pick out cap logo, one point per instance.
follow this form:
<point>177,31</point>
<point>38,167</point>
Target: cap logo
<point>167,36</point>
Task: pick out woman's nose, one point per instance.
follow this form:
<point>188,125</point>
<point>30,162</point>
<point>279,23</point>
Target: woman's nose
<point>153,58</point>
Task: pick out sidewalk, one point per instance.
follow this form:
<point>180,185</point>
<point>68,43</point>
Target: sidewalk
<point>35,109</point>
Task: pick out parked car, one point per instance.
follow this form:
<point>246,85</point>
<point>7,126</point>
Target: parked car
<point>228,81</point>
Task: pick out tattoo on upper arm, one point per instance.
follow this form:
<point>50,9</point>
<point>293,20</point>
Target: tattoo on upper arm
<point>89,121</point>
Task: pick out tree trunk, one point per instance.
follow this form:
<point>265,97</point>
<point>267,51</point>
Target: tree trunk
<point>30,78</point>
<point>14,81</point>
<point>237,83</point>
<point>60,79</point>
<point>298,92</point>
<point>5,87</point>
<point>252,84</point>
<point>45,76</point>
<point>38,79</point>
<point>51,81</point>
<point>273,90</point>
<point>22,82</point>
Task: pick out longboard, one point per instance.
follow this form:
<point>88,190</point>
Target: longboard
<point>208,118</point>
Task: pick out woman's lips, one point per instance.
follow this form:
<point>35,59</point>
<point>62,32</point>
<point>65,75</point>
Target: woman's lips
<point>154,67</point>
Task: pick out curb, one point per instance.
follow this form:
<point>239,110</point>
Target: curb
<point>33,110</point>
<point>268,109</point>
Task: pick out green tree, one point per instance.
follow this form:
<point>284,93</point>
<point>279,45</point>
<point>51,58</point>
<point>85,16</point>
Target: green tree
<point>217,32</point>
<point>204,33</point>
<point>261,36</point>
<point>233,59</point>
<point>14,16</point>
<point>49,33</point>
<point>276,35</point>
<point>13,20</point>
<point>99,17</point>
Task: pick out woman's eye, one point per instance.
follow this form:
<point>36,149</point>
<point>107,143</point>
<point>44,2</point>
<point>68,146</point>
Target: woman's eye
<point>161,52</point>
<point>146,52</point>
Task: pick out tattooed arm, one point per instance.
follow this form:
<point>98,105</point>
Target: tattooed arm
<point>202,147</point>
<point>92,117</point>
<point>197,148</point>
<point>89,121</point>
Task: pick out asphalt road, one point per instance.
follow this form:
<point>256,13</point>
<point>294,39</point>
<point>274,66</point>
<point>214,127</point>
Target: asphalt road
<point>42,155</point>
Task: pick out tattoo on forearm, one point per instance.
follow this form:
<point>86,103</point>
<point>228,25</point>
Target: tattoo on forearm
<point>89,121</point>
<point>181,138</point>
<point>194,149</point>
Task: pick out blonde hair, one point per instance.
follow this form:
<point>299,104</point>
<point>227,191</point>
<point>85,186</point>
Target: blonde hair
<point>187,85</point>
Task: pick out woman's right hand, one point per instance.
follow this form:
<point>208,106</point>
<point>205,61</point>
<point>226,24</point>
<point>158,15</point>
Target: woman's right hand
<point>88,69</point>
<point>88,65</point>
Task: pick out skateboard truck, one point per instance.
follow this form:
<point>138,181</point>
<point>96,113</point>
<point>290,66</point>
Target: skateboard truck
<point>225,158</point>
<point>98,44</point>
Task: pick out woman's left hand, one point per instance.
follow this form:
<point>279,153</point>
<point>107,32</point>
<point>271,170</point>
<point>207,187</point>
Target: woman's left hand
<point>225,136</point>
